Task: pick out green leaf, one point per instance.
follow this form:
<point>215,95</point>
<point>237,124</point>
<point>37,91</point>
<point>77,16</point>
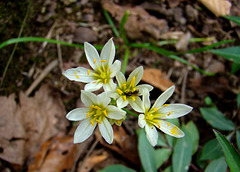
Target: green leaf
<point>211,150</point>
<point>233,18</point>
<point>117,168</point>
<point>235,67</point>
<point>111,23</point>
<point>122,29</point>
<point>217,165</point>
<point>238,139</point>
<point>231,53</point>
<point>168,169</point>
<point>238,100</point>
<point>146,152</point>
<point>216,119</point>
<point>194,135</point>
<point>161,155</point>
<point>182,153</point>
<point>231,155</point>
<point>161,141</point>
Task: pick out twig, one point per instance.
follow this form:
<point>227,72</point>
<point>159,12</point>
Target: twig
<point>183,89</point>
<point>49,35</point>
<point>46,70</point>
<point>59,54</point>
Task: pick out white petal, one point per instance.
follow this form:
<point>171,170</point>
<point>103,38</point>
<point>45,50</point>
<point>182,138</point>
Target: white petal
<point>115,68</point>
<point>120,78</point>
<point>144,86</point>
<point>164,97</point>
<point>146,100</point>
<point>92,54</point>
<point>170,129</point>
<point>108,52</point>
<point>152,134</point>
<point>93,86</point>
<point>77,114</point>
<point>138,73</point>
<point>121,103</point>
<point>115,113</point>
<point>106,130</point>
<point>88,98</point>
<point>141,120</point>
<point>84,131</point>
<point>103,99</point>
<point>137,105</point>
<point>175,110</point>
<point>110,86</point>
<point>79,74</point>
<point>114,95</point>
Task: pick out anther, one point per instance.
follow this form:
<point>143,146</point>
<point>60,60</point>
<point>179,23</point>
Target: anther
<point>103,61</point>
<point>92,106</point>
<point>92,122</point>
<point>119,91</point>
<point>168,124</point>
<point>105,113</point>
<point>94,61</point>
<point>124,98</point>
<point>165,105</point>
<point>158,125</point>
<point>133,97</point>
<point>169,113</point>
<point>99,122</point>
<point>132,82</point>
<point>108,68</point>
<point>88,115</point>
<point>88,72</point>
<point>155,109</point>
<point>105,81</point>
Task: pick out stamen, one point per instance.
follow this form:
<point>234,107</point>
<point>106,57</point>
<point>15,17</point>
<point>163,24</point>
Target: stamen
<point>155,109</point>
<point>103,61</point>
<point>92,122</point>
<point>169,113</point>
<point>94,61</point>
<point>134,89</point>
<point>94,82</point>
<point>165,105</point>
<point>148,115</point>
<point>92,106</point>
<point>105,113</point>
<point>108,68</point>
<point>88,72</point>
<point>158,125</point>
<point>132,82</point>
<point>99,122</point>
<point>124,85</point>
<point>124,98</point>
<point>77,77</point>
<point>168,124</point>
<point>133,97</point>
<point>105,81</point>
<point>88,115</point>
<point>96,107</point>
<point>119,91</point>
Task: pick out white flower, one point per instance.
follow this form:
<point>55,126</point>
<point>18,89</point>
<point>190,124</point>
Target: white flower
<point>154,116</point>
<point>97,113</point>
<point>103,68</point>
<point>128,91</point>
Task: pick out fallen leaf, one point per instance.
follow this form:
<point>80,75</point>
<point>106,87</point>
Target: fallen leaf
<point>43,116</point>
<point>183,42</point>
<point>123,144</point>
<point>92,161</point>
<point>12,134</point>
<point>157,78</point>
<point>218,7</point>
<point>83,34</point>
<point>55,155</point>
<point>139,21</point>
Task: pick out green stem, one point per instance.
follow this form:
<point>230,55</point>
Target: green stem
<point>129,112</point>
<point>125,60</point>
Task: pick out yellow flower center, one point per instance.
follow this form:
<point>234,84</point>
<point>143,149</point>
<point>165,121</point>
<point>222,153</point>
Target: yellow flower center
<point>128,90</point>
<point>102,74</point>
<point>97,113</point>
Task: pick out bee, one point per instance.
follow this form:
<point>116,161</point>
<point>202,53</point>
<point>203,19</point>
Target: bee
<point>131,93</point>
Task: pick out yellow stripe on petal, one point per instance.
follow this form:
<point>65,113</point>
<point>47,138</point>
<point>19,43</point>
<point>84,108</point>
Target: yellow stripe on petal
<point>124,98</point>
<point>133,97</point>
<point>174,130</point>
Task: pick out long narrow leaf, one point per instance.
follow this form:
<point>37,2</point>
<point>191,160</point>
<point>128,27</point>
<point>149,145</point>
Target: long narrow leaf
<point>231,155</point>
<point>217,165</point>
<point>146,152</point>
<point>231,53</point>
<point>122,29</point>
<point>233,18</point>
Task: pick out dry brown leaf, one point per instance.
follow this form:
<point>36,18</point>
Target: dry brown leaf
<point>12,134</point>
<point>139,21</point>
<point>56,155</point>
<point>157,78</point>
<point>218,7</point>
<point>92,161</point>
<point>123,144</point>
<point>43,116</point>
<point>24,127</point>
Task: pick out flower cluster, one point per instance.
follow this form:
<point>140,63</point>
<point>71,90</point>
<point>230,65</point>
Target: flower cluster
<point>105,109</point>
